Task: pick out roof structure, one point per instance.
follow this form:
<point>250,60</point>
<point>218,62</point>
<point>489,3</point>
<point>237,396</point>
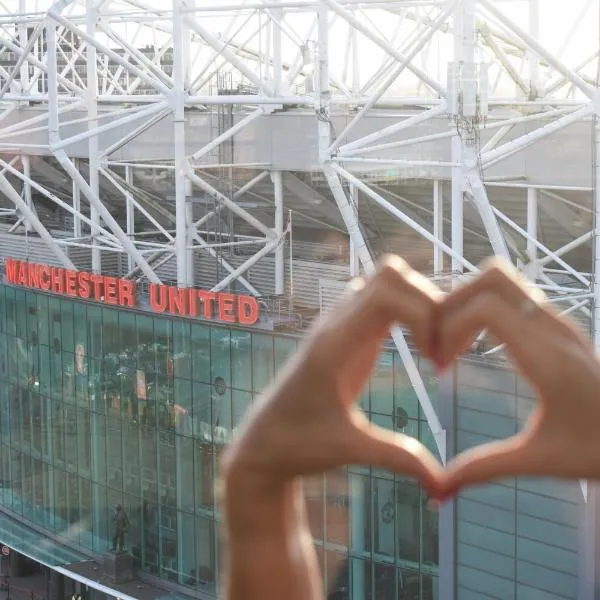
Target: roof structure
<point>153,139</point>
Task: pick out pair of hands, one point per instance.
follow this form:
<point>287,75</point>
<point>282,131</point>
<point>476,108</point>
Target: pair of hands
<point>308,423</point>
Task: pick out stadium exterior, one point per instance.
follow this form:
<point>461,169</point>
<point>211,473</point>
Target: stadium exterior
<point>184,188</point>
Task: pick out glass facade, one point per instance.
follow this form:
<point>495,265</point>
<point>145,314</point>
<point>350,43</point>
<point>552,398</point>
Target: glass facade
<point>102,406</point>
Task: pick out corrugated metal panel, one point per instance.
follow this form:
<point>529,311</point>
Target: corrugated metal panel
<point>29,248</point>
<point>330,291</point>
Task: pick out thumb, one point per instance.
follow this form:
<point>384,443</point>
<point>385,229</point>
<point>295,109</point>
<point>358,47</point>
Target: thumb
<point>400,454</point>
<point>508,458</point>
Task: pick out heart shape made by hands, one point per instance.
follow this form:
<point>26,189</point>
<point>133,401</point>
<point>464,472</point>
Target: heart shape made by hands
<point>307,423</point>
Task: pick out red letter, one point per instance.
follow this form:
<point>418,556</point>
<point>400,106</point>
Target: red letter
<point>58,282</point>
<point>158,297</point>
<point>71,283</point>
<point>126,293</point>
<point>248,310</point>
<point>22,276</point>
<point>11,270</point>
<point>177,299</point>
<point>97,281</point>
<point>83,279</point>
<point>33,280</point>
<point>226,306</point>
<point>110,290</point>
<point>207,302</point>
<point>45,278</point>
<point>193,302</point>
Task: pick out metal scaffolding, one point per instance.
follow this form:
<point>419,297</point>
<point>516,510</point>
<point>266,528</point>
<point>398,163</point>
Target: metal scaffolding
<point>167,132</point>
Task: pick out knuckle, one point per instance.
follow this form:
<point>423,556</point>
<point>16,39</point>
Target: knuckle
<point>391,269</point>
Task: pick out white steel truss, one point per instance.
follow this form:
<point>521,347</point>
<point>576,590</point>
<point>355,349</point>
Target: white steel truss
<point>416,114</point>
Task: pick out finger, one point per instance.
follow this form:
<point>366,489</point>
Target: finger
<point>397,453</point>
<point>395,294</point>
<point>537,351</point>
<point>515,457</point>
<point>501,278</point>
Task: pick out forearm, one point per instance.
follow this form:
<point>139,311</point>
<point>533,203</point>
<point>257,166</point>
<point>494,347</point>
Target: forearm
<point>269,553</point>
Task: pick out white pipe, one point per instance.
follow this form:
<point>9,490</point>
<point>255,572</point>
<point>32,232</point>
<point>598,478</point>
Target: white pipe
<point>31,217</point>
<point>181,185</point>
<point>67,165</point>
<point>596,278</point>
<point>438,227</point>
<point>485,210</point>
<point>132,201</point>
<point>92,134</point>
<point>393,210</point>
<point>539,49</point>
<point>221,47</point>
<point>528,139</point>
<point>26,162</point>
<point>269,247</point>
<point>159,85</point>
<point>130,212</point>
<point>280,249</point>
<point>586,237</point>
<point>532,225</point>
<point>95,131</point>
<point>404,63</point>
<point>240,212</point>
<point>387,47</point>
<point>259,112</point>
<point>393,129</point>
<point>251,289</point>
<point>135,133</point>
<point>36,186</point>
<point>541,247</point>
<point>21,61</point>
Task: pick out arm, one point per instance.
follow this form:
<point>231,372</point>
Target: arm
<point>269,549</point>
<point>307,424</point>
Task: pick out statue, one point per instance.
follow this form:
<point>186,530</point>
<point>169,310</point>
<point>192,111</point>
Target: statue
<point>120,526</point>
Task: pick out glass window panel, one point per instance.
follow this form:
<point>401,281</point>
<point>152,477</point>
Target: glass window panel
<point>43,319</point>
<point>21,314</point>
<point>220,359</point>
<point>337,513</point>
<point>405,397</point>
<point>240,403</point>
<point>284,348</point>
<point>183,409</point>
<point>263,362</point>
<point>163,349</point>
<point>314,493</point>
<point>182,353</point>
<point>384,516</point>
<point>110,334</point>
<point>85,513</point>
<point>202,411</point>
<point>187,550</point>
<point>201,351</point>
<point>408,507</point>
<point>11,326</point>
<point>66,319</point>
<point>60,500</point>
<point>206,569</point>
<point>94,330</point>
<point>241,360</point>
<point>84,450</point>
<point>382,385</point>
<point>204,475</point>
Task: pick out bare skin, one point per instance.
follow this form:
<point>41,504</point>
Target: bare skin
<point>308,422</point>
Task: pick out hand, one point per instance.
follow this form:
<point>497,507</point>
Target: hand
<point>307,423</point>
<point>560,438</point>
